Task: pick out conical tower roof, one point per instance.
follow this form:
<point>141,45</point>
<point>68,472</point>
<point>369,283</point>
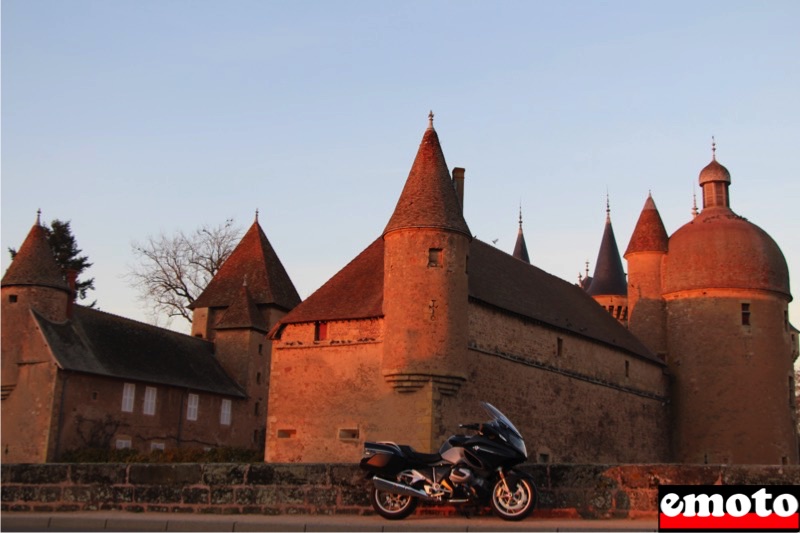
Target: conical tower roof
<point>609,276</point>
<point>253,260</point>
<point>649,235</point>
<point>520,249</point>
<point>34,263</point>
<point>243,313</point>
<point>429,198</point>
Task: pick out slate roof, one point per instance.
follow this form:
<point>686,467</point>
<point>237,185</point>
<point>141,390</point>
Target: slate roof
<point>254,261</point>
<point>649,235</point>
<point>520,249</point>
<point>103,344</point>
<point>495,278</point>
<point>429,199</point>
<point>34,263</point>
<point>609,276</point>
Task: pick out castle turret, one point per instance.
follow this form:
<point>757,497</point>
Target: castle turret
<point>608,286</point>
<point>425,296</point>
<point>726,287</point>
<point>33,281</point>
<point>645,254</point>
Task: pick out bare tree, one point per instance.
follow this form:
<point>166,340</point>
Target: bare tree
<point>172,271</point>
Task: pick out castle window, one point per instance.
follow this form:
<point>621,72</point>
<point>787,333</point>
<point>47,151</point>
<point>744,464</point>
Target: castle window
<point>745,314</point>
<point>435,257</point>
<point>258,378</point>
<point>198,335</point>
<point>260,349</point>
<point>559,346</point>
<point>348,434</point>
<point>128,396</point>
<point>320,331</point>
<point>544,457</point>
<point>625,313</point>
<point>256,408</point>
<point>286,433</point>
<point>192,407</point>
<point>123,442</point>
<point>155,445</point>
<point>627,369</point>
<point>786,320</point>
<point>12,298</point>
<point>94,395</point>
<point>150,400</point>
<point>225,413</point>
<point>791,392</point>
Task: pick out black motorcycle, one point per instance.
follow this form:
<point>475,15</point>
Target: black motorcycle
<point>476,469</point>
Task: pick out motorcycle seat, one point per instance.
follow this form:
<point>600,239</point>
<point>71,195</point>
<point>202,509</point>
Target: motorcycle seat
<point>426,458</point>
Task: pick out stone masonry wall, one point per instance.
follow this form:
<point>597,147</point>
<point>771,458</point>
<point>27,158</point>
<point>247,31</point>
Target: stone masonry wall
<point>587,491</point>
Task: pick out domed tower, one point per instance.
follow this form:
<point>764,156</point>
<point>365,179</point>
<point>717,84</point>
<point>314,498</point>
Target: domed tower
<point>645,254</point>
<point>425,298</point>
<point>32,281</point>
<point>726,287</point>
<point>608,286</point>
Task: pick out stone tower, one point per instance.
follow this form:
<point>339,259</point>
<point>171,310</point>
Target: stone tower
<point>425,295</point>
<point>33,284</point>
<point>726,288</point>
<point>608,286</point>
<point>645,255</point>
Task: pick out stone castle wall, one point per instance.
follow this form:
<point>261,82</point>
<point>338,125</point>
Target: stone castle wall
<point>587,491</point>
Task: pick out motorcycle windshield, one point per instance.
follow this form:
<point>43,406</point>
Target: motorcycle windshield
<point>502,420</point>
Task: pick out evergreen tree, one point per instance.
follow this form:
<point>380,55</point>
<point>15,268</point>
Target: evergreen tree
<point>67,254</point>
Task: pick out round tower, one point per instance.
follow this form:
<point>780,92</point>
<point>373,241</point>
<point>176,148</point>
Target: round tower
<point>33,281</point>
<point>645,254</point>
<point>726,287</point>
<point>425,297</point>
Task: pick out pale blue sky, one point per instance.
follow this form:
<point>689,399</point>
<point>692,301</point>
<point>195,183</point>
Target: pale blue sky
<point>132,117</point>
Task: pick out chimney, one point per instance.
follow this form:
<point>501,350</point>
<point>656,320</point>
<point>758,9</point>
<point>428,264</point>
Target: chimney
<point>72,279</point>
<point>458,183</point>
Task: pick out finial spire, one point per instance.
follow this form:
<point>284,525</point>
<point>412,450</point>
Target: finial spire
<point>694,204</point>
<point>39,217</point>
<point>256,214</point>
<point>713,148</point>
<point>608,207</point>
<point>587,269</point>
<point>430,120</point>
<point>520,214</point>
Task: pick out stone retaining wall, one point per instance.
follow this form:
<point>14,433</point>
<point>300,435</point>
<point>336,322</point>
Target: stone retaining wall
<point>587,491</point>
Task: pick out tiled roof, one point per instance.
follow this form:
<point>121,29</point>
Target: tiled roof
<point>649,234</point>
<point>100,343</point>
<point>501,281</point>
<point>242,314</point>
<point>354,292</point>
<point>34,263</point>
<point>429,198</point>
<point>609,276</point>
<point>495,278</point>
<point>254,261</point>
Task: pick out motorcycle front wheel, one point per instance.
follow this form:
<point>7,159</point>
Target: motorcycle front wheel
<point>513,498</point>
<point>392,506</point>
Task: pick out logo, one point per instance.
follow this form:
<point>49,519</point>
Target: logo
<point>728,508</point>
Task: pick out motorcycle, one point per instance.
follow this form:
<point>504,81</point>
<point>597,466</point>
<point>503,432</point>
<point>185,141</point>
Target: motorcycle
<point>476,469</point>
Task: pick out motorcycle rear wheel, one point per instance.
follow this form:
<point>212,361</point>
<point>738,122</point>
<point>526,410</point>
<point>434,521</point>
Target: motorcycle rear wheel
<point>514,498</point>
<point>392,506</point>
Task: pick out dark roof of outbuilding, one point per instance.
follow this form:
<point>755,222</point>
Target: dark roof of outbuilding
<point>254,261</point>
<point>35,264</point>
<point>103,344</point>
<point>429,199</point>
<point>609,276</point>
<point>495,278</point>
<point>649,235</point>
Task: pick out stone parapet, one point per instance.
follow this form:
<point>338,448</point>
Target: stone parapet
<point>585,491</point>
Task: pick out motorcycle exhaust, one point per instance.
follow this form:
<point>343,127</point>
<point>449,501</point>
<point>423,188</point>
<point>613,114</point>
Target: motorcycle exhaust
<point>399,488</point>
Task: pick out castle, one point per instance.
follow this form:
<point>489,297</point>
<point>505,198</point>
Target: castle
<point>687,360</point>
